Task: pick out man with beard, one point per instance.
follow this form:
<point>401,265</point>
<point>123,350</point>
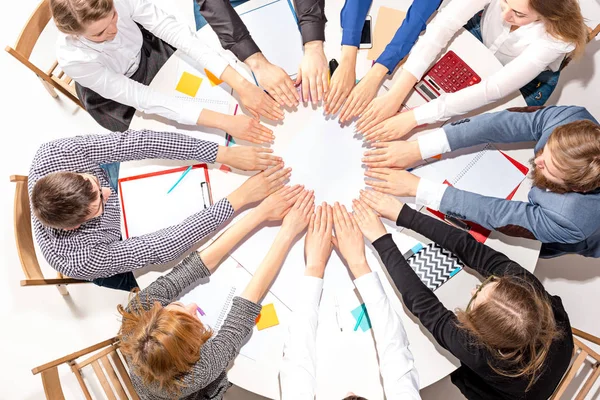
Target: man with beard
<point>563,211</point>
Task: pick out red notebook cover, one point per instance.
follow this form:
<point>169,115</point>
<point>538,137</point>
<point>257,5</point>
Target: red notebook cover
<point>477,231</point>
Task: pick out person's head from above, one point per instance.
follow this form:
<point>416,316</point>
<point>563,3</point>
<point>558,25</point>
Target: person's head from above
<point>162,343</point>
<point>570,160</point>
<point>352,396</point>
<point>65,200</point>
<point>514,321</point>
<point>562,18</point>
<point>95,20</point>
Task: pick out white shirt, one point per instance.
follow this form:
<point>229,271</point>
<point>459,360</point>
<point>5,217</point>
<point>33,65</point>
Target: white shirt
<point>430,193</point>
<point>396,364</point>
<point>525,53</point>
<point>106,67</point>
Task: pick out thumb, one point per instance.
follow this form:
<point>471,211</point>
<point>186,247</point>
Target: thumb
<point>298,77</point>
<point>334,241</point>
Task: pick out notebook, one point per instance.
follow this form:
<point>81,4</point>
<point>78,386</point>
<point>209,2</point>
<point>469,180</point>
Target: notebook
<point>146,206</point>
<point>489,173</point>
<point>387,23</point>
<point>203,88</point>
<point>434,265</point>
<point>281,43</point>
<point>215,300</point>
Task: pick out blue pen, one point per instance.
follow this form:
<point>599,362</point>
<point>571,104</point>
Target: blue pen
<point>180,178</point>
<point>455,271</point>
<point>360,318</point>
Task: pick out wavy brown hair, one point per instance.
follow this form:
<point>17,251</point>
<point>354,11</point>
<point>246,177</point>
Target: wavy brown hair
<point>517,326</point>
<point>161,345</point>
<point>73,16</point>
<point>564,21</point>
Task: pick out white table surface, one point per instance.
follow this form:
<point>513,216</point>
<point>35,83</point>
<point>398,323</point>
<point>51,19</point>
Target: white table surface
<point>347,360</point>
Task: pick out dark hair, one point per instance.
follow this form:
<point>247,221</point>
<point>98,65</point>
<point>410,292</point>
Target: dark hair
<point>517,326</point>
<point>354,397</point>
<point>62,199</point>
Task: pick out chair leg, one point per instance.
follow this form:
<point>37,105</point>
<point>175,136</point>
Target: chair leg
<point>62,290</point>
<point>49,88</point>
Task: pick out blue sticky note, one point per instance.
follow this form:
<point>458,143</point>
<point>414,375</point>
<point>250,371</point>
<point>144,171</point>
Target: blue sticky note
<point>365,324</point>
<point>232,141</point>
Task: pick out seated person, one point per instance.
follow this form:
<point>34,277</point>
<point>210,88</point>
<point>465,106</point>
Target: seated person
<point>356,98</point>
<point>298,370</point>
<point>564,201</point>
<point>513,339</point>
<point>313,73</point>
<point>77,214</point>
<point>114,48</point>
<point>531,38</point>
<point>170,352</point>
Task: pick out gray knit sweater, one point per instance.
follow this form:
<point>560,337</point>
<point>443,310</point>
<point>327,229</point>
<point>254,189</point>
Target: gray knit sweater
<point>208,377</point>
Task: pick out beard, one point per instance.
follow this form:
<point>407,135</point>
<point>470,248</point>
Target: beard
<point>540,181</point>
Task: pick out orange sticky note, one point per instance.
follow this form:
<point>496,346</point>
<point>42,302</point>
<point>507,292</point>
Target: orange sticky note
<point>214,81</point>
<point>189,84</point>
<point>267,317</point>
<point>437,157</point>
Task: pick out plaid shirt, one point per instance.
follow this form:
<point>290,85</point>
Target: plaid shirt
<point>95,249</point>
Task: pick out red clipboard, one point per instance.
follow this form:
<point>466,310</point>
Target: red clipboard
<point>174,171</point>
<point>477,231</point>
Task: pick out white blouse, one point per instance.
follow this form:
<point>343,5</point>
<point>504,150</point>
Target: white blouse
<point>525,53</point>
<point>106,67</point>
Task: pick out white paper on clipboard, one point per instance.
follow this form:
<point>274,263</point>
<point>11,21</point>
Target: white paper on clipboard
<point>146,207</point>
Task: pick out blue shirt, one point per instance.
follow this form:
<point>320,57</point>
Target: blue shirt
<point>355,12</point>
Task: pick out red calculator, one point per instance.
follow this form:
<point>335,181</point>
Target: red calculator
<point>450,74</point>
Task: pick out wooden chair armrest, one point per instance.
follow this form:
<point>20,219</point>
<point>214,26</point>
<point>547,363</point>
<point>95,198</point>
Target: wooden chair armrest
<point>62,281</point>
<point>18,178</point>
<point>73,356</point>
<point>586,336</point>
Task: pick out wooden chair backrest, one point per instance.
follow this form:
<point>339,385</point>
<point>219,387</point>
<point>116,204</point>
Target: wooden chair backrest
<point>24,47</point>
<point>105,366</point>
<point>23,235</point>
<point>581,353</point>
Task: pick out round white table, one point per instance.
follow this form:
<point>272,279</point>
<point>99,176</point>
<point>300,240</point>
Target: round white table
<point>347,360</point>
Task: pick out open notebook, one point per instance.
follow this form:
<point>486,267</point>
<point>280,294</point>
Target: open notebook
<point>146,206</point>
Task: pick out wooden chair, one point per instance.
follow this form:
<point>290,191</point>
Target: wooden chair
<point>107,367</point>
<point>24,240</point>
<point>25,44</point>
<point>581,353</point>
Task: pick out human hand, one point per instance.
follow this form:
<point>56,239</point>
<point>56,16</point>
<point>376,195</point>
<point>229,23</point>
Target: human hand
<point>313,73</point>
<point>299,215</point>
<point>385,205</point>
<point>258,102</point>
<point>392,128</point>
<point>318,243</point>
<point>277,205</point>
<point>368,222</point>
<point>259,186</point>
<point>342,80</point>
<point>393,181</point>
<point>274,80</point>
<point>245,128</point>
<point>247,158</point>
<point>349,241</point>
<point>363,93</point>
<point>378,110</point>
<point>399,154</point>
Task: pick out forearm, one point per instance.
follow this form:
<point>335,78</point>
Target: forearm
<point>459,242</point>
<point>352,18</point>
<point>229,27</point>
<point>237,82</point>
<point>268,269</point>
<point>213,254</point>
<point>402,87</point>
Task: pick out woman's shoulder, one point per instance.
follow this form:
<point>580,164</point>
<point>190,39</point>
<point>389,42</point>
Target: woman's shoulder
<point>548,40</point>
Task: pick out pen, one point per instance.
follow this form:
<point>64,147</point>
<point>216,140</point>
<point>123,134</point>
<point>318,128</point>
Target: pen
<point>416,248</point>
<point>180,178</point>
<point>333,64</point>
<point>202,313</point>
<point>337,313</point>
<point>360,318</point>
<point>457,223</point>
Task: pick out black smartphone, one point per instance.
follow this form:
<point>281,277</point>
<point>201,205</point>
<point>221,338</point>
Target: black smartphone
<point>366,37</point>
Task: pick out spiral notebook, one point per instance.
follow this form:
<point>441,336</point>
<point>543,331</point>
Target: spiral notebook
<point>489,173</point>
<point>215,300</point>
<point>434,265</point>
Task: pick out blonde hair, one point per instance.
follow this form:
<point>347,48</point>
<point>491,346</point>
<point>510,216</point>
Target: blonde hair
<point>72,16</point>
<point>564,21</point>
<point>162,345</point>
<point>517,326</point>
<point>575,150</point>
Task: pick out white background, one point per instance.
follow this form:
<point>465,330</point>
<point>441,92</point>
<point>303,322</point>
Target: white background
<point>39,325</point>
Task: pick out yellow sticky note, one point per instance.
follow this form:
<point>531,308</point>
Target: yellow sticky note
<point>189,84</point>
<point>267,317</point>
<point>214,81</point>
